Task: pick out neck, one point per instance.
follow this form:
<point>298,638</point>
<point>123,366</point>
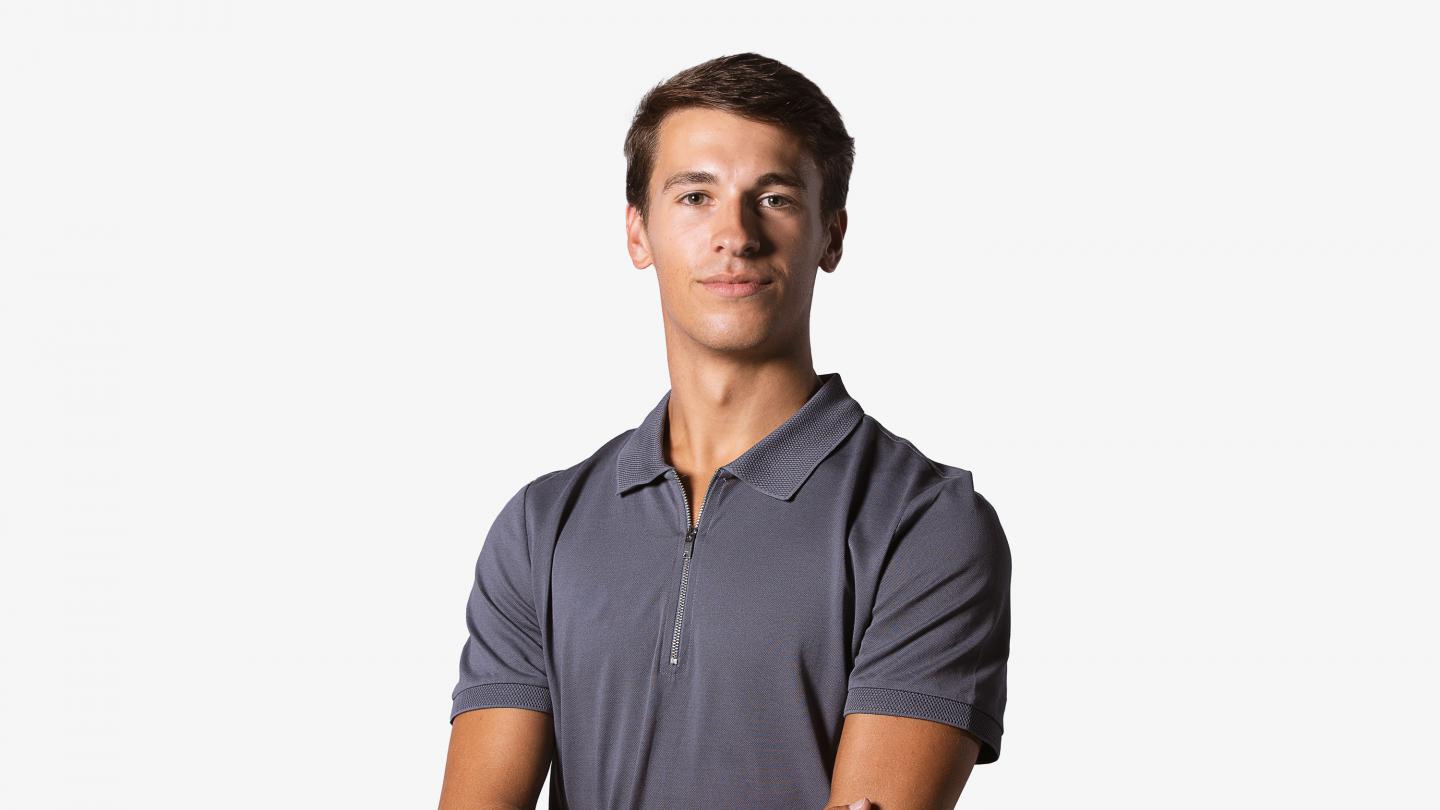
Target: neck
<point>719,410</point>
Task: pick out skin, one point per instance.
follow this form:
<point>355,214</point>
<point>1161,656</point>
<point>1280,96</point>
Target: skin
<point>497,760</point>
<point>901,763</point>
<point>739,367</point>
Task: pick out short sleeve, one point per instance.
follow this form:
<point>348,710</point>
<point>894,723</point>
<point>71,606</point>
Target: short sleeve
<point>938,638</point>
<point>503,662</point>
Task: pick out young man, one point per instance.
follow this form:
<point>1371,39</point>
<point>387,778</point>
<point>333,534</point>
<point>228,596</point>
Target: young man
<point>759,597</point>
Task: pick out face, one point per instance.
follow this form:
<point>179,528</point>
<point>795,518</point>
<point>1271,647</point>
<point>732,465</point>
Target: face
<point>734,233</point>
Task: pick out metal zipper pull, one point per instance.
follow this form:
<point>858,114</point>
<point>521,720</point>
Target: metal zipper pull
<point>690,541</point>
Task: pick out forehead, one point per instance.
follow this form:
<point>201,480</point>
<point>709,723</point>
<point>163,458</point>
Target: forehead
<point>702,139</point>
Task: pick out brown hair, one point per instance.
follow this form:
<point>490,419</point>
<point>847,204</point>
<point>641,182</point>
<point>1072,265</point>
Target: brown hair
<point>755,87</point>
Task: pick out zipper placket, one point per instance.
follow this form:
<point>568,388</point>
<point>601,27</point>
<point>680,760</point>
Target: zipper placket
<point>690,532</point>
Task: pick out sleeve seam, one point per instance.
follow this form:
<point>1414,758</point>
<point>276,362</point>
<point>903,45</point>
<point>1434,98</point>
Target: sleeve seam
<point>525,530</point>
<point>890,548</point>
<point>905,510</point>
<point>498,683</point>
<point>899,519</point>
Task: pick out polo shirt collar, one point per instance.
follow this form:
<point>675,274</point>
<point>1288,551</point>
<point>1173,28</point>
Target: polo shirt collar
<point>776,465</point>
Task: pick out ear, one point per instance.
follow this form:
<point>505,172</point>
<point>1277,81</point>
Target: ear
<point>637,241</point>
<point>836,233</point>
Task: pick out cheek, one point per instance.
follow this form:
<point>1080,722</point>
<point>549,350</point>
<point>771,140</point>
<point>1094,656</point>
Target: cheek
<point>674,277</point>
<point>670,242</point>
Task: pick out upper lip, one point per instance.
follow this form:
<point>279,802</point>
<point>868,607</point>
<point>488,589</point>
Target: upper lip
<point>735,278</point>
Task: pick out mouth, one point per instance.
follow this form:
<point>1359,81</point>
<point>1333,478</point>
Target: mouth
<point>735,286</point>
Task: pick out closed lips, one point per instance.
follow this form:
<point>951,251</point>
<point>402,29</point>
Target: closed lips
<point>736,280</point>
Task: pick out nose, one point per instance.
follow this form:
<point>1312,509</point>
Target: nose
<point>735,229</point>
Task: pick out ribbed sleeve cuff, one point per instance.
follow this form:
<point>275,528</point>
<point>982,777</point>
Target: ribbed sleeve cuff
<point>875,700</point>
<point>501,695</point>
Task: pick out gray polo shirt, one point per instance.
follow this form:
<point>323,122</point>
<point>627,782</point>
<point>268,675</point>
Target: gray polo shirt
<point>835,569</point>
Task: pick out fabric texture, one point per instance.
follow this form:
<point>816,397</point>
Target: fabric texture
<point>835,569</point>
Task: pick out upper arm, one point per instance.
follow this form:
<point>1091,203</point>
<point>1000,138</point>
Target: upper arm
<point>502,734</point>
<point>936,647</point>
<point>901,763</point>
<point>502,663</point>
<point>497,758</point>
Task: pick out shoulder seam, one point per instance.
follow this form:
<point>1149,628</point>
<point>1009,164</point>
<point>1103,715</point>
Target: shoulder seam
<point>907,444</point>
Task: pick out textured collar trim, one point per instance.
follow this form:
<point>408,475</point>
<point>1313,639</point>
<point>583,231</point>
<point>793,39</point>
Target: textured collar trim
<point>776,465</point>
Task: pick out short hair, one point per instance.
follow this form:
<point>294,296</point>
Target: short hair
<point>755,87</point>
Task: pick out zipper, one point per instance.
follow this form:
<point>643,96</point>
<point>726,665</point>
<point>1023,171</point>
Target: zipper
<point>690,532</point>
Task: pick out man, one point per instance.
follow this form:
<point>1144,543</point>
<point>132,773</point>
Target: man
<point>759,597</point>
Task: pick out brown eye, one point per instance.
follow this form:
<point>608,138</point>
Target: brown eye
<point>783,201</point>
<point>692,194</point>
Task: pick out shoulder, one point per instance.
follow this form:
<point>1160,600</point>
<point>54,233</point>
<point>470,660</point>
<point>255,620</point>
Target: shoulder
<point>903,467</point>
<point>925,492</point>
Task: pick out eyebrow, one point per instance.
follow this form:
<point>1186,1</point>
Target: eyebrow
<point>766,179</point>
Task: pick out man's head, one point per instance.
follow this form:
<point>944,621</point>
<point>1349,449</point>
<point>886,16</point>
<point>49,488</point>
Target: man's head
<point>738,167</point>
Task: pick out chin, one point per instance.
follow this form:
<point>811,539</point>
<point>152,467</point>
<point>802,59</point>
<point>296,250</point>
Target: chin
<point>734,329</point>
<point>738,339</point>
<point>732,340</point>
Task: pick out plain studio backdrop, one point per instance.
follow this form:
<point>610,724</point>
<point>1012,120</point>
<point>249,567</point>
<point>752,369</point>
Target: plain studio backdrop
<point>294,295</point>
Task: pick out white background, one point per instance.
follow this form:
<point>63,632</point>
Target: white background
<point>293,295</point>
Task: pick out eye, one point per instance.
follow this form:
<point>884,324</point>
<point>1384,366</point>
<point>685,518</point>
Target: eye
<point>684,197</point>
<point>783,201</point>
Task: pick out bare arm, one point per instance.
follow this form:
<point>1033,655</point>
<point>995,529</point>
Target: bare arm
<point>498,759</point>
<point>901,763</point>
